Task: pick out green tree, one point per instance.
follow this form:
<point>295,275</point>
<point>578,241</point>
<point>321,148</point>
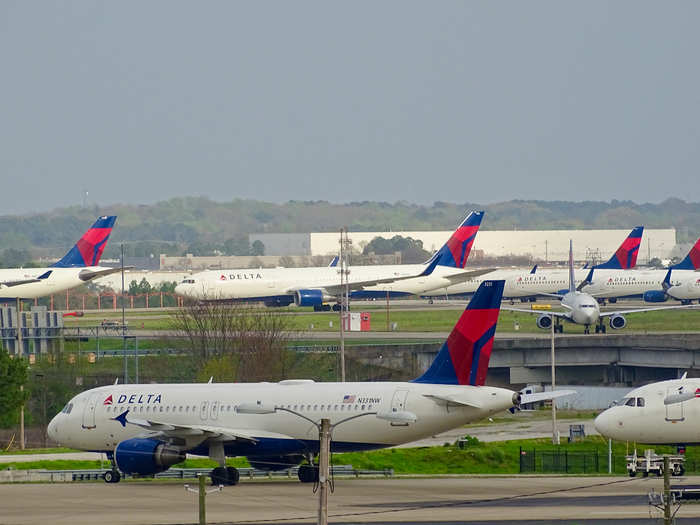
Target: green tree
<point>13,374</point>
<point>257,248</point>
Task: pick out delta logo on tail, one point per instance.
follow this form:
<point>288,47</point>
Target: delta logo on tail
<point>464,357</point>
<point>692,260</point>
<point>456,250</point>
<point>88,250</point>
<point>625,258</point>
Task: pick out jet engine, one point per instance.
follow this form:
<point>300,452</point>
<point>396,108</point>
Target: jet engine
<point>617,321</point>
<point>544,321</point>
<point>270,463</point>
<point>311,297</point>
<point>655,296</point>
<point>146,456</point>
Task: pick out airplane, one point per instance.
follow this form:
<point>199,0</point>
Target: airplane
<point>666,412</point>
<point>144,429</point>
<point>76,267</point>
<point>317,286</point>
<point>655,286</point>
<point>583,308</point>
<point>527,285</point>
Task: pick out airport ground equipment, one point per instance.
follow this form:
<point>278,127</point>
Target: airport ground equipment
<point>652,463</point>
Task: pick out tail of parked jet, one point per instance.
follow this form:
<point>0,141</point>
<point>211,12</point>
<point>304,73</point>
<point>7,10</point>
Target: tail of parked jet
<point>464,358</point>
<point>88,250</point>
<point>691,261</point>
<point>455,252</point>
<point>625,258</point>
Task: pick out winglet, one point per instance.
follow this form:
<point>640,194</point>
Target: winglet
<point>121,418</point>
<point>625,258</point>
<point>691,261</point>
<point>88,250</point>
<point>45,275</point>
<point>464,358</point>
<point>455,252</point>
<point>588,280</point>
<point>334,262</point>
<point>666,283</point>
<point>429,269</point>
<point>534,269</point>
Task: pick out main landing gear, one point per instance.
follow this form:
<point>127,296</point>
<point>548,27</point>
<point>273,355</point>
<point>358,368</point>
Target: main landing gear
<point>600,328</point>
<point>113,475</point>
<point>225,476</point>
<point>308,473</point>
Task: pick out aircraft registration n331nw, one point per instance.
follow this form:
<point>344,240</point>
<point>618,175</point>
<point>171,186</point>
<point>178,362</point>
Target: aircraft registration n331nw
<point>145,429</point>
<point>316,286</point>
<point>77,267</point>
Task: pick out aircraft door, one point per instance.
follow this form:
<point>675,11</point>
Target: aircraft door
<point>674,412</point>
<point>214,413</point>
<point>89,412</point>
<point>398,403</point>
<point>204,410</point>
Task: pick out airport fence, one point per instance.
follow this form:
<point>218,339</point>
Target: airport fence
<point>579,462</point>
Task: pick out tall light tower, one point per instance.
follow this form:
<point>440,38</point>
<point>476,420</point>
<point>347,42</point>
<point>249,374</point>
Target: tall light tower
<point>344,302</point>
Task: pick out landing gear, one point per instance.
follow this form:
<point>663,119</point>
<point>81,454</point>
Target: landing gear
<point>600,328</point>
<point>112,476</point>
<point>336,307</point>
<point>587,329</point>
<point>224,476</point>
<point>308,474</point>
<point>558,327</point>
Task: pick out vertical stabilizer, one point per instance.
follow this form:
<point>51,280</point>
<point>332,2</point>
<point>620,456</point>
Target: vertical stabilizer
<point>455,252</point>
<point>88,250</point>
<point>464,358</point>
<point>691,261</point>
<point>625,258</point>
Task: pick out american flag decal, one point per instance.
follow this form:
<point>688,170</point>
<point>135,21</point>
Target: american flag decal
<point>348,399</point>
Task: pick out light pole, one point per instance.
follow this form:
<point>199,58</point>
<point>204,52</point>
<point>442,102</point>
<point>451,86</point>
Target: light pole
<point>555,432</point>
<point>325,434</point>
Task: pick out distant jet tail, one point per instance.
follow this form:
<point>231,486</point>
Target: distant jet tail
<point>691,261</point>
<point>88,250</point>
<point>464,357</point>
<point>455,252</point>
<point>334,262</point>
<point>572,278</point>
<point>625,257</point>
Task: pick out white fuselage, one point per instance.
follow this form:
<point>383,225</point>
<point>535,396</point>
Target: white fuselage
<point>633,283</point>
<point>519,282</point>
<point>651,421</point>
<point>582,308</point>
<point>274,282</point>
<point>60,280</point>
<point>90,424</point>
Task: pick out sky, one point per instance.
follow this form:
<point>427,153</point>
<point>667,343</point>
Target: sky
<point>470,101</point>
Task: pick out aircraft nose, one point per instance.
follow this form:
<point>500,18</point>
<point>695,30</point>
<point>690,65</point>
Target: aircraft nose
<point>52,429</point>
<point>604,423</point>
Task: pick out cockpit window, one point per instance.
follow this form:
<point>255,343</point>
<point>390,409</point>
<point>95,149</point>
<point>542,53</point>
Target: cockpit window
<point>630,402</point>
<point>67,408</point>
<point>188,281</point>
<point>640,401</point>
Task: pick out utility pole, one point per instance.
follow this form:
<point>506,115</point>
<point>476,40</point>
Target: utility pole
<point>344,297</point>
<point>323,470</point>
<point>18,353</point>
<point>668,519</point>
<point>126,370</point>
<point>555,432</point>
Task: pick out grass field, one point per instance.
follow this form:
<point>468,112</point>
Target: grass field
<point>426,321</point>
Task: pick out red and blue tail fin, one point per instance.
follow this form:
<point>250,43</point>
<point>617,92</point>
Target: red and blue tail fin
<point>88,250</point>
<point>464,358</point>
<point>691,261</point>
<point>625,258</point>
<point>455,252</point>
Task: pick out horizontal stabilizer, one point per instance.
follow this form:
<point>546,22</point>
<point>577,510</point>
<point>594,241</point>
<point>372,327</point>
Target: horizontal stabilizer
<point>88,275</point>
<point>453,400</point>
<point>526,399</point>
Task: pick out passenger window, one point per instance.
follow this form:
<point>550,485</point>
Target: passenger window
<point>640,401</point>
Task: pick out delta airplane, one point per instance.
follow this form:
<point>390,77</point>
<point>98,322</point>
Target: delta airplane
<point>583,308</point>
<point>316,286</point>
<point>527,285</point>
<point>145,429</point>
<point>667,412</point>
<point>77,267</point>
<point>679,282</point>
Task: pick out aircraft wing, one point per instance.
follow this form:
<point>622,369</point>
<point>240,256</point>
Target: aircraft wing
<point>448,399</point>
<point>334,288</point>
<point>563,315</point>
<point>653,308</point>
<point>526,399</point>
<point>87,275</point>
<point>460,277</point>
<point>171,430</point>
<point>26,281</point>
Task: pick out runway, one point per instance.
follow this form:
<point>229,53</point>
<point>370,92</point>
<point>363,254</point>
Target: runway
<point>482,499</point>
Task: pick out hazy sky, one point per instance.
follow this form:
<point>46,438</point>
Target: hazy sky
<point>138,101</point>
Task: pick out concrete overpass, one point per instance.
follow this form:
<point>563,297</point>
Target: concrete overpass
<point>614,360</point>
